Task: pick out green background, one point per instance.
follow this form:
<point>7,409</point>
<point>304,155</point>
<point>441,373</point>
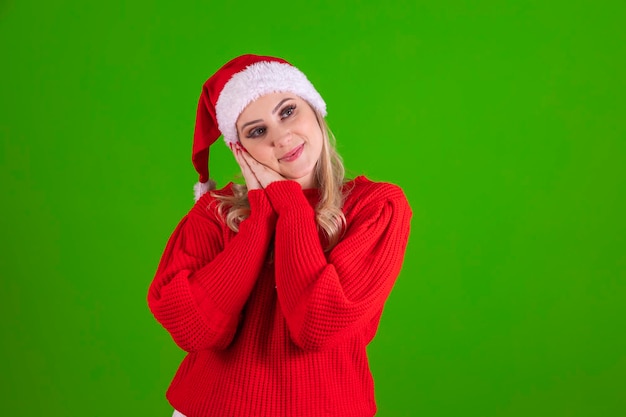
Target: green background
<point>502,120</point>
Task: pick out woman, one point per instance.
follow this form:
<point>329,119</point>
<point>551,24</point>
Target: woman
<point>275,287</point>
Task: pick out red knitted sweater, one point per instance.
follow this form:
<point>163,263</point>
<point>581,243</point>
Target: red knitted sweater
<point>282,335</point>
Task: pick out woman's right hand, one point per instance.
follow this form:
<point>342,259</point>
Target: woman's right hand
<point>251,180</point>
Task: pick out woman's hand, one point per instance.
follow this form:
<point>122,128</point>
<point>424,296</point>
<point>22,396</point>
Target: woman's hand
<point>257,175</point>
<point>251,181</point>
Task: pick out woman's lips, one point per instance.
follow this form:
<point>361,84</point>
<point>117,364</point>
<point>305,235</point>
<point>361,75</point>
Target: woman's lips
<point>293,155</point>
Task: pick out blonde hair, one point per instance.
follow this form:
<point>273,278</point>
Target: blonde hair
<point>330,177</point>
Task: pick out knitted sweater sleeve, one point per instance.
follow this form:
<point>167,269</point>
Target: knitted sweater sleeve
<point>204,277</point>
<point>326,297</point>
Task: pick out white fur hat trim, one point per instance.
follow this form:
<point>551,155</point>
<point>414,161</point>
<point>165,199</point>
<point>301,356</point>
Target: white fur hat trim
<point>255,81</point>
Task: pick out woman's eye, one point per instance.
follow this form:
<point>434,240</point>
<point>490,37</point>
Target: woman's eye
<point>287,111</point>
<point>256,132</point>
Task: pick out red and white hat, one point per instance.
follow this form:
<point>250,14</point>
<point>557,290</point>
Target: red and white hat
<point>227,93</point>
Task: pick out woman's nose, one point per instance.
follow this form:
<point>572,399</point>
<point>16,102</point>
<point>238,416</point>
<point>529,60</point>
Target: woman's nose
<point>282,137</point>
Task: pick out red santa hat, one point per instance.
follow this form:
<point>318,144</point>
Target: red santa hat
<point>227,93</point>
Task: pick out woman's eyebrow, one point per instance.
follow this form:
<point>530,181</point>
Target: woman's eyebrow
<point>273,111</point>
<point>280,104</point>
<point>249,123</point>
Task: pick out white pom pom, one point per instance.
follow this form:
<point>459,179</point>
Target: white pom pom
<point>201,188</point>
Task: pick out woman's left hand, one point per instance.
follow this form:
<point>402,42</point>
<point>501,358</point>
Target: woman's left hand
<point>263,174</point>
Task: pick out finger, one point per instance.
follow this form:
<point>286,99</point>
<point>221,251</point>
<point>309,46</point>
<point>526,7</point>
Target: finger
<point>254,165</point>
<point>264,174</point>
<point>248,174</point>
<point>243,164</point>
<point>250,161</point>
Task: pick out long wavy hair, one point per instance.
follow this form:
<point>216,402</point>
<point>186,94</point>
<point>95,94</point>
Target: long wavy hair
<point>330,176</point>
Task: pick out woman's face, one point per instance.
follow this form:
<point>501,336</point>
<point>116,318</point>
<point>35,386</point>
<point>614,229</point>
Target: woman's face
<point>280,130</point>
